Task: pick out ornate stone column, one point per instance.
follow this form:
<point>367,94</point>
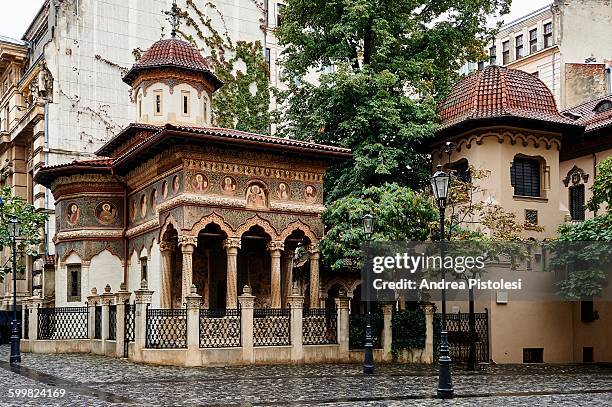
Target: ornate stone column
<point>231,245</point>
<point>276,249</point>
<point>187,244</point>
<point>287,278</point>
<point>165,296</point>
<point>313,250</point>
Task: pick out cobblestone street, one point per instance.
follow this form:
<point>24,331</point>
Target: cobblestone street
<point>99,381</point>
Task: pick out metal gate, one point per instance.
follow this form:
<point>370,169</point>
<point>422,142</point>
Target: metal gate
<point>458,327</point>
<point>129,327</point>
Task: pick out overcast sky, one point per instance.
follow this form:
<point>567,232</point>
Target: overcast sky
<point>16,15</point>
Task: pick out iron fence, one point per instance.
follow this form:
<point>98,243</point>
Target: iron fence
<point>271,327</point>
<point>63,323</point>
<point>129,328</point>
<point>320,326</point>
<point>98,322</point>
<point>26,324</point>
<point>458,328</point>
<point>166,328</point>
<point>112,322</point>
<point>219,328</point>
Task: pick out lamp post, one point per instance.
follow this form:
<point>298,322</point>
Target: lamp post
<point>15,352</point>
<point>368,362</point>
<point>440,183</point>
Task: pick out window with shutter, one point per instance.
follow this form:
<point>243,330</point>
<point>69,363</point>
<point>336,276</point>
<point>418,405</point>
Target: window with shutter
<point>577,202</point>
<point>525,177</point>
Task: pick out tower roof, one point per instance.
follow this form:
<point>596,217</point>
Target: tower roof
<point>499,93</point>
<point>172,53</point>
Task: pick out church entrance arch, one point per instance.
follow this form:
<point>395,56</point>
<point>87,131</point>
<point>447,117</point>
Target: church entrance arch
<point>210,266</point>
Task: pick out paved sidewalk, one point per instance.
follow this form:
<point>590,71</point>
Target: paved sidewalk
<point>100,381</point>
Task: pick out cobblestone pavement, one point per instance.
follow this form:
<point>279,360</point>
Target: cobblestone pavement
<point>100,381</point>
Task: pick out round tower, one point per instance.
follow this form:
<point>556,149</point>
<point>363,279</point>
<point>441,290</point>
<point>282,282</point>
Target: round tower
<point>172,83</point>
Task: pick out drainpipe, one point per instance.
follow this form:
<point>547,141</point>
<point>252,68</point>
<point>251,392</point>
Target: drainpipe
<point>125,241</point>
<point>594,175</point>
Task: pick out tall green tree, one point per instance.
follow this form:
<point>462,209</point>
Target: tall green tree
<point>31,224</point>
<point>392,60</point>
<point>400,214</point>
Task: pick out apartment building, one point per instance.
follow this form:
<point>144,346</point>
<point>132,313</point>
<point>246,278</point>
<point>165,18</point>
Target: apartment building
<point>550,44</point>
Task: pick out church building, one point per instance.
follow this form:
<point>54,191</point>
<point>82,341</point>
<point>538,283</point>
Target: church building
<point>175,201</point>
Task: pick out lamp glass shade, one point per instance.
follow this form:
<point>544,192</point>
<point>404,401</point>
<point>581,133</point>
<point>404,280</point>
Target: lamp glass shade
<point>440,183</point>
<point>368,224</point>
<point>14,228</point>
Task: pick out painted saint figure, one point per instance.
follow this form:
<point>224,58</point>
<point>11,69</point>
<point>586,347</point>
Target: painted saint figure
<point>282,192</point>
<point>175,184</point>
<point>229,185</point>
<point>106,214</point>
<point>200,183</point>
<point>73,214</point>
<point>311,193</point>
<point>256,197</point>
<point>164,189</point>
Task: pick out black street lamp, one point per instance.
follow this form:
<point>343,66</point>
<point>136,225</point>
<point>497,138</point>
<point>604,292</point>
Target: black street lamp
<point>368,362</point>
<point>440,183</point>
<point>15,337</point>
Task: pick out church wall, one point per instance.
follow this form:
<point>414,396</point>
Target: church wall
<point>61,282</point>
<point>134,280</point>
<point>105,268</point>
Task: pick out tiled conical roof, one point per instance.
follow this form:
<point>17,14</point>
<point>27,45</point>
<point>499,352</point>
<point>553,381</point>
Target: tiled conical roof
<point>172,53</point>
<point>498,92</point>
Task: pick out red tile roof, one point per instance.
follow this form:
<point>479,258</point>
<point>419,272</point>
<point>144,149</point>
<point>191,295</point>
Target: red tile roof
<point>497,92</point>
<point>172,53</point>
<point>235,137</point>
<point>586,115</point>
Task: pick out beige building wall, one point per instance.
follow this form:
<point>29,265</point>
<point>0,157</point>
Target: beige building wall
<point>484,151</point>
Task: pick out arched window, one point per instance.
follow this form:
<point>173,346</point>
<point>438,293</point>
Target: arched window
<point>525,176</point>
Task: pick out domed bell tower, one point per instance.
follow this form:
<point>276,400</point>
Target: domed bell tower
<point>172,83</point>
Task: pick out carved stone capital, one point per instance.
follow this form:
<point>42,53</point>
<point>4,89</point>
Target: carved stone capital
<point>313,248</point>
<point>276,246</point>
<point>231,243</point>
<point>187,243</point>
<point>166,247</point>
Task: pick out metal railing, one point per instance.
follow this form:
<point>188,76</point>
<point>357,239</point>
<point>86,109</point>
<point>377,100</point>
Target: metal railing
<point>98,322</point>
<point>166,328</point>
<point>63,323</point>
<point>26,324</point>
<point>219,328</point>
<point>271,327</point>
<point>129,329</point>
<point>112,322</point>
<point>320,326</point>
